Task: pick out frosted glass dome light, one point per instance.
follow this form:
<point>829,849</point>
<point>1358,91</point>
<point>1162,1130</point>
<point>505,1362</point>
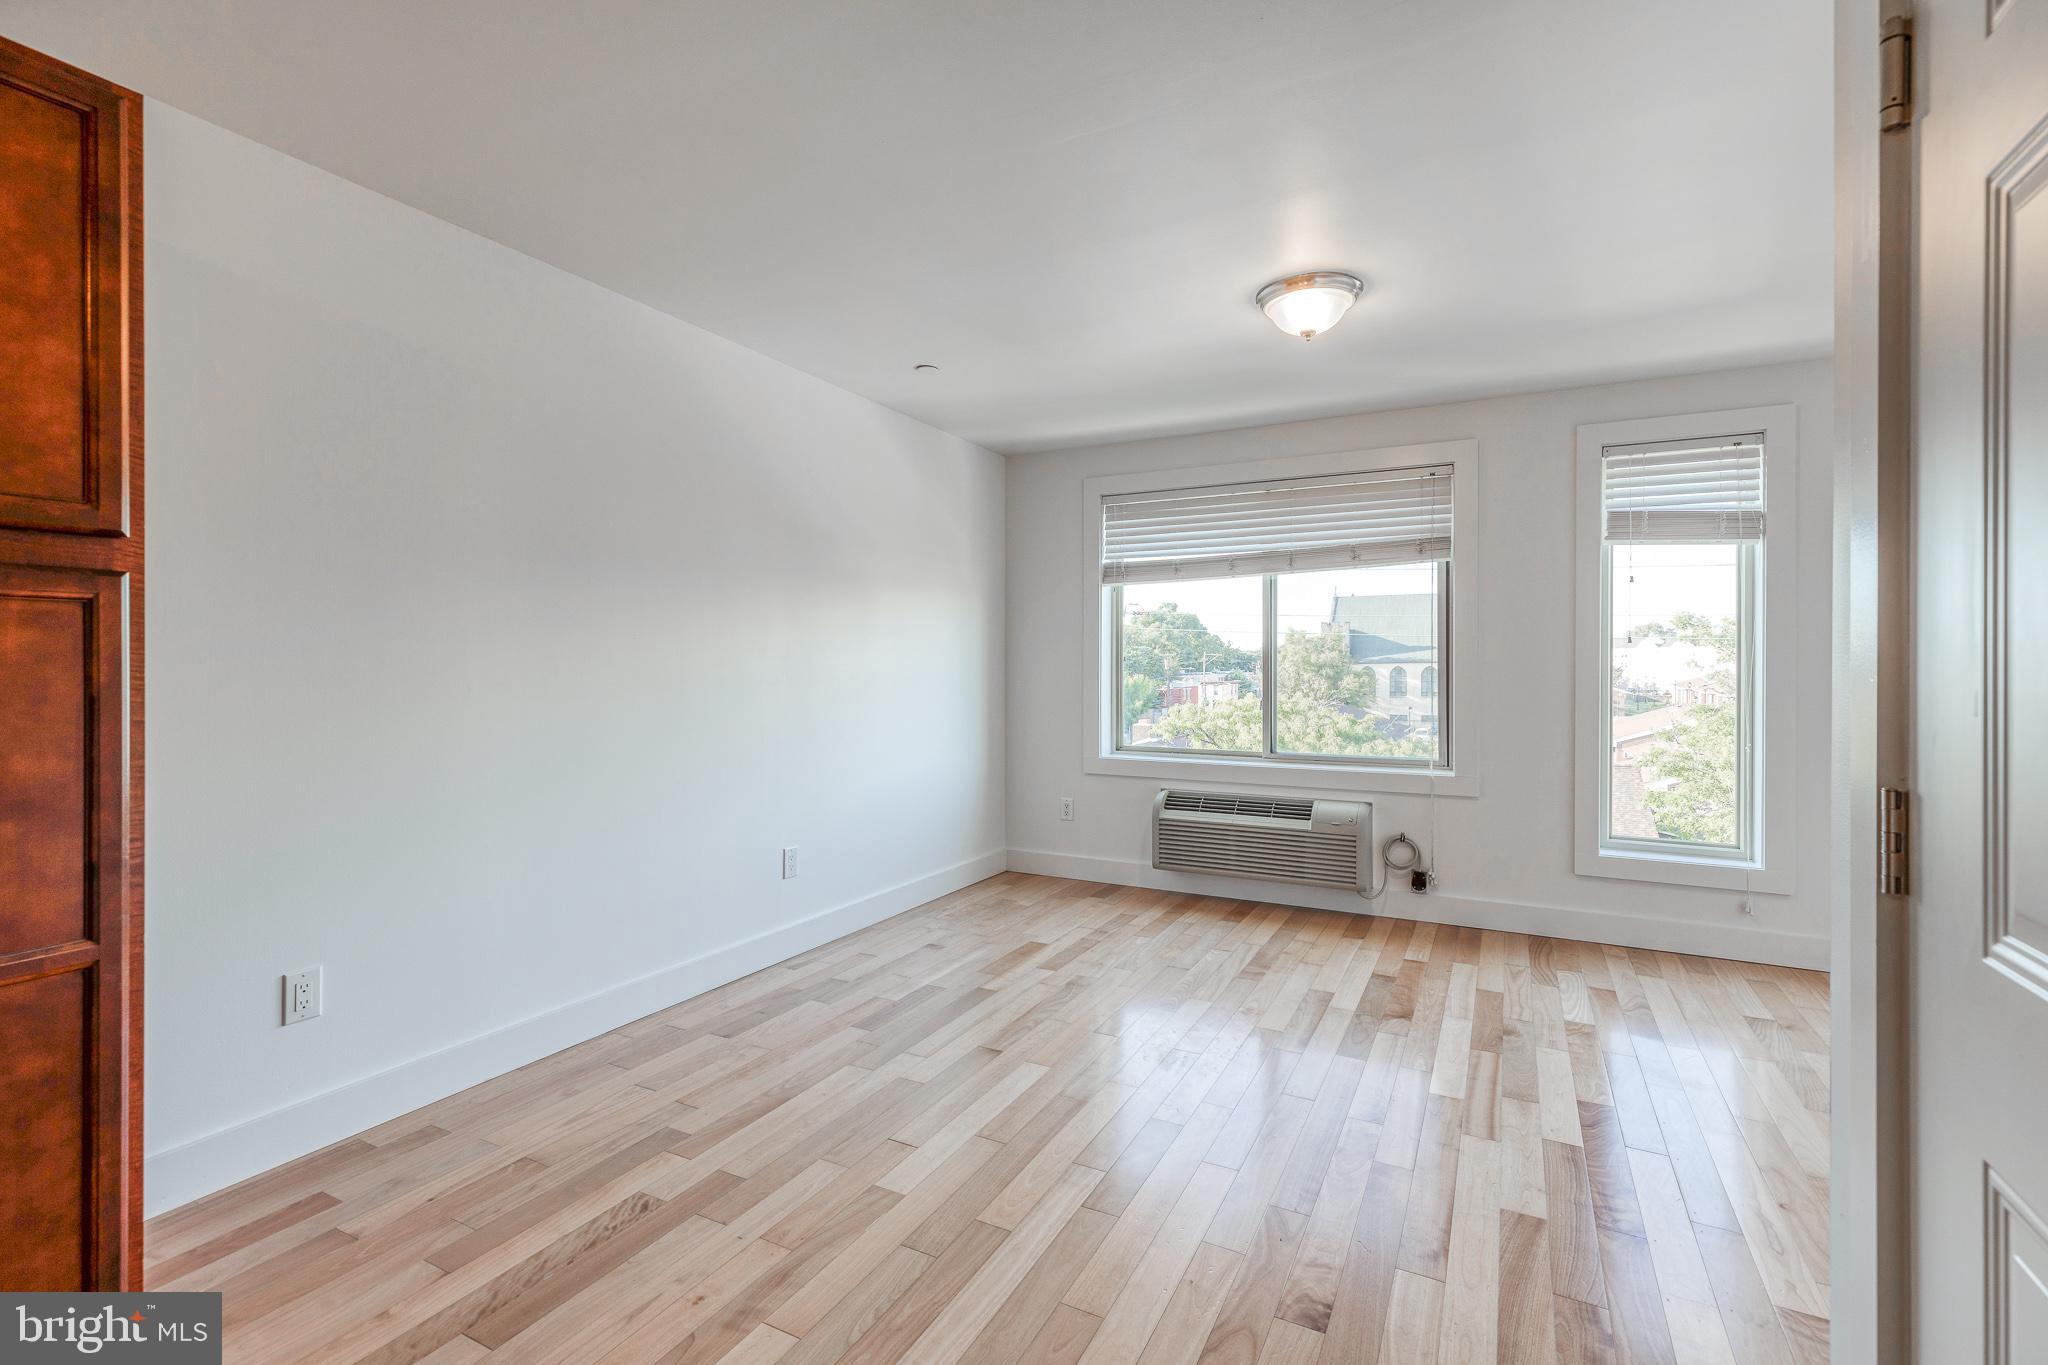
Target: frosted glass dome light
<point>1309,305</point>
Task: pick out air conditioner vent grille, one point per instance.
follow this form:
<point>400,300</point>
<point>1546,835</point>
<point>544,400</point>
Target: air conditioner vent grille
<point>1231,803</point>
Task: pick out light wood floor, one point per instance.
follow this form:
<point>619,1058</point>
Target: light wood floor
<point>1052,1121</point>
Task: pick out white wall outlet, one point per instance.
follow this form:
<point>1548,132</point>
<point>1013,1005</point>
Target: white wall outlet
<point>788,863</point>
<point>301,996</point>
<point>1066,808</point>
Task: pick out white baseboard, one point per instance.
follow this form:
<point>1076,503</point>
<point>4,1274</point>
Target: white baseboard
<point>179,1174</point>
<point>1740,941</point>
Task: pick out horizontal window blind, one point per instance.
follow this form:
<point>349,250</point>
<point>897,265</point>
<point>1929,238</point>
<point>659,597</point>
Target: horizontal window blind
<point>1332,522</point>
<point>1705,490</point>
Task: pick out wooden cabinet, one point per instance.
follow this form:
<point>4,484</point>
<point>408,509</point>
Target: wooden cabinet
<point>70,677</point>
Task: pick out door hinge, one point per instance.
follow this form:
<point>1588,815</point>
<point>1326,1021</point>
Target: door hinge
<point>1893,850</point>
<point>1895,62</point>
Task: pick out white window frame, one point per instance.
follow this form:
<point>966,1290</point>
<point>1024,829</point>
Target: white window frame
<point>1460,719</point>
<point>1771,631</point>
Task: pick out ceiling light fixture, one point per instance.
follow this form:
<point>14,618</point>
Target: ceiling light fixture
<point>1309,304</point>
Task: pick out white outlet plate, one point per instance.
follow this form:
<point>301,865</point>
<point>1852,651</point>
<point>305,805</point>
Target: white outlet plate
<point>788,863</point>
<point>1066,808</point>
<point>302,996</point>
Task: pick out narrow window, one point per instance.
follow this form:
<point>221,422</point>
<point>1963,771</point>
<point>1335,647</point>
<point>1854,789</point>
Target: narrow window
<point>1681,558</point>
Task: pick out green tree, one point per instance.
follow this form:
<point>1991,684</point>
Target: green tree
<point>1305,724</point>
<point>1316,666</point>
<point>1163,642</point>
<point>1141,694</point>
<point>1320,689</point>
<point>1693,628</point>
<point>1696,766</point>
<point>1310,725</point>
<point>1238,724</point>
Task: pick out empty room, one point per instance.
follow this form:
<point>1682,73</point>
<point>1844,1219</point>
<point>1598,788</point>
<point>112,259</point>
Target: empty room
<point>1260,684</point>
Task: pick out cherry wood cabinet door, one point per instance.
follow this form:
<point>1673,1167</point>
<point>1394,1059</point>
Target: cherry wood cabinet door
<point>62,861</point>
<point>63,187</point>
<point>70,677</point>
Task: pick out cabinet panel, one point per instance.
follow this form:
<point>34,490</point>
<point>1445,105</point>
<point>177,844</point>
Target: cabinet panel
<point>46,695</point>
<point>64,340</point>
<point>46,1149</point>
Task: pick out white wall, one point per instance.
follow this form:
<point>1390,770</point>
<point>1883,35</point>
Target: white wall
<point>1504,857</point>
<point>501,629</point>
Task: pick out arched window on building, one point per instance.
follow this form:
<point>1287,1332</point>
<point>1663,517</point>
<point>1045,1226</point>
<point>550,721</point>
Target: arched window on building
<point>1397,682</point>
<point>1429,681</point>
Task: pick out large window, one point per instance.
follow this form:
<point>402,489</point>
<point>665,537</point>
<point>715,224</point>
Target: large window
<point>1674,678</point>
<point>1284,620</point>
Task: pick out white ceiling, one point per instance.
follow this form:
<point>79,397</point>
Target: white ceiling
<point>1066,204</point>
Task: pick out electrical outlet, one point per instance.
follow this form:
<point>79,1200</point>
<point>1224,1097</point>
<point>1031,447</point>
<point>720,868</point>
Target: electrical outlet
<point>1066,808</point>
<point>788,863</point>
<point>301,996</point>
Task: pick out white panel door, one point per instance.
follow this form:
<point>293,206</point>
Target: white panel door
<point>1979,926</point>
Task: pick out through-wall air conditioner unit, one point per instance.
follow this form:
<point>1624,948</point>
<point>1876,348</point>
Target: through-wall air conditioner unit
<point>1272,838</point>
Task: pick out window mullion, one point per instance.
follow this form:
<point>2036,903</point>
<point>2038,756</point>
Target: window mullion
<point>1116,668</point>
<point>1269,689</point>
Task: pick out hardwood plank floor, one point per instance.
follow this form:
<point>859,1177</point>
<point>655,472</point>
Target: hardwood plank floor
<point>1042,1120</point>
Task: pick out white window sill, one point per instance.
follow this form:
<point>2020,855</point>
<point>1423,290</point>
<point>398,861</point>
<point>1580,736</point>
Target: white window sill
<point>1342,779</point>
<point>1676,869</point>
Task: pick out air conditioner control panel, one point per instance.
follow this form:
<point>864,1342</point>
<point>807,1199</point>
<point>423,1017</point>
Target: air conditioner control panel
<point>1341,817</point>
